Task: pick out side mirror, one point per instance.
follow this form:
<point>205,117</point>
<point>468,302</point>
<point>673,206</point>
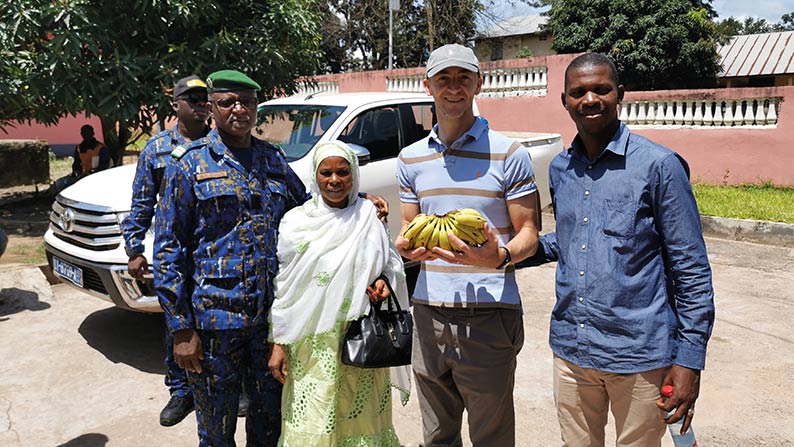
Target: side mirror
<point>361,152</point>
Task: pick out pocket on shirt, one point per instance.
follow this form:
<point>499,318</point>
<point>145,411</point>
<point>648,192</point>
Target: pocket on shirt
<point>619,218</point>
<point>218,206</point>
<point>221,283</point>
<point>276,200</point>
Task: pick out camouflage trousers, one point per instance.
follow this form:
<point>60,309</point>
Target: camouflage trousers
<point>233,357</point>
<point>175,377</point>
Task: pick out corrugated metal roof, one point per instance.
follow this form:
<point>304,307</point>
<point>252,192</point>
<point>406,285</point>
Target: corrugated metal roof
<point>515,26</point>
<point>758,55</point>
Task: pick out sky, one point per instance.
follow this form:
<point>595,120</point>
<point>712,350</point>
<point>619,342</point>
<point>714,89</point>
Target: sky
<point>771,10</point>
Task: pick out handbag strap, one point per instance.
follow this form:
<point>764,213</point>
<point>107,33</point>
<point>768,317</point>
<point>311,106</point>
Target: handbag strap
<point>392,299</point>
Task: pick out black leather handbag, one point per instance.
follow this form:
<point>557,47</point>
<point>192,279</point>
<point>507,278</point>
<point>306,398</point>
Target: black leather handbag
<point>380,339</point>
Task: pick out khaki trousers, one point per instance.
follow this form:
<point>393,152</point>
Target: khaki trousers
<point>466,358</point>
<point>583,397</point>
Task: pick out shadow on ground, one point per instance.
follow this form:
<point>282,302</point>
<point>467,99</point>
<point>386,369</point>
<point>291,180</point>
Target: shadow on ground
<point>14,300</point>
<point>135,339</point>
<point>87,440</point>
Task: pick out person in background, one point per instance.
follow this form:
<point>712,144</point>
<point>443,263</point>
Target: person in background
<point>90,155</point>
<point>467,309</point>
<point>635,303</point>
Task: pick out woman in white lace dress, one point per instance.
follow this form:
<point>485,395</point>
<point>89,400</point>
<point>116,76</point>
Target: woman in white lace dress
<point>331,251</point>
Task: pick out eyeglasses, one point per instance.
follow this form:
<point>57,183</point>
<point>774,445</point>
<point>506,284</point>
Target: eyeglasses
<point>194,98</point>
<point>248,102</point>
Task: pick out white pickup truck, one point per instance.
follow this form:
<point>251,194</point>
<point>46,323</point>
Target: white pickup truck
<point>84,243</point>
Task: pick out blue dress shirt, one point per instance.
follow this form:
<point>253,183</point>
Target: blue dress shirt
<point>633,281</point>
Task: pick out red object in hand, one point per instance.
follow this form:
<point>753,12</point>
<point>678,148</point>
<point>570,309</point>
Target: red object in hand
<point>667,390</point>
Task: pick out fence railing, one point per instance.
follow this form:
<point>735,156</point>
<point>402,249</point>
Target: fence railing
<point>499,82</point>
<point>307,88</point>
<point>748,112</point>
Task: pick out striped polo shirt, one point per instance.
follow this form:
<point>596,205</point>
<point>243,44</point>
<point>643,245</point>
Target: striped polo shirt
<point>482,170</point>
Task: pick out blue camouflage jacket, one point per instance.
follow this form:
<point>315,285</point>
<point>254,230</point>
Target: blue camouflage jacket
<point>154,157</point>
<point>215,235</point>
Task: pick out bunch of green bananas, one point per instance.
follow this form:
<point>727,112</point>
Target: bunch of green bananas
<point>431,230</point>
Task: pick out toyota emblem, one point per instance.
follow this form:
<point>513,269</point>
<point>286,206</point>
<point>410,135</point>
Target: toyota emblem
<point>66,220</point>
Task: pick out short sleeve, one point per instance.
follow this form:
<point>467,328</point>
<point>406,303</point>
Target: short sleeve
<point>406,182</point>
<point>519,175</point>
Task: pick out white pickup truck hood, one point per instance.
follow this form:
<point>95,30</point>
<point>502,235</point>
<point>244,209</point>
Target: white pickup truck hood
<point>109,188</point>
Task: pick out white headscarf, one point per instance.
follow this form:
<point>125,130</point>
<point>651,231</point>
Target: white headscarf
<point>327,258</point>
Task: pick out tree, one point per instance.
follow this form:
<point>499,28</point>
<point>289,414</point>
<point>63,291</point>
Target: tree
<point>355,32</point>
<point>655,44</point>
<point>753,25</point>
<point>116,60</point>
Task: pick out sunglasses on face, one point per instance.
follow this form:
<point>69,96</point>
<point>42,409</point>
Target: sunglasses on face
<point>194,98</point>
<point>248,102</point>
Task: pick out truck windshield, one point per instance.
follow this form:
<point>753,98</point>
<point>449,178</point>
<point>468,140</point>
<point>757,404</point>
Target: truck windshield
<point>296,128</point>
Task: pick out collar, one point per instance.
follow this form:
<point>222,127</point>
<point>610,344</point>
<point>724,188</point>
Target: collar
<point>478,129</point>
<point>618,145</point>
<point>176,136</point>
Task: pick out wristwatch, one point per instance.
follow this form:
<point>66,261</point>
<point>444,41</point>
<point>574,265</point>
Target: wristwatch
<point>507,261</point>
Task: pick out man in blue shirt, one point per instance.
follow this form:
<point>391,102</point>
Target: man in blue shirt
<point>192,111</point>
<point>635,304</point>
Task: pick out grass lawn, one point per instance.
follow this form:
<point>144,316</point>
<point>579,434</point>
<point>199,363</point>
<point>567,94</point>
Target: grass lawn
<point>750,201</point>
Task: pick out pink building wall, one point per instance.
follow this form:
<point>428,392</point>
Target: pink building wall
<point>715,154</point>
<point>61,137</point>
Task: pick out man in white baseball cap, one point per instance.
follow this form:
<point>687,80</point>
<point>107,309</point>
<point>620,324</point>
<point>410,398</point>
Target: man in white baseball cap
<point>467,311</point>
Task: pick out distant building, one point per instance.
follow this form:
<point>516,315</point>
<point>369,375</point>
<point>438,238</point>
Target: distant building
<point>514,38</point>
<point>758,60</point>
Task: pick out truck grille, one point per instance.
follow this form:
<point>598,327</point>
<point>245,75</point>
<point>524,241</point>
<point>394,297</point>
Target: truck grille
<point>86,226</point>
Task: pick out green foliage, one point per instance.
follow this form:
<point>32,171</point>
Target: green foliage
<point>655,44</point>
<point>751,25</point>
<point>761,201</point>
<point>524,52</point>
<point>117,60</point>
<point>356,32</point>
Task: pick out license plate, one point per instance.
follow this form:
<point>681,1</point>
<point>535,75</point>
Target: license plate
<point>68,271</point>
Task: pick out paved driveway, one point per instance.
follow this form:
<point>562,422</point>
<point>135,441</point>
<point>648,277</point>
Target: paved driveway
<point>75,372</point>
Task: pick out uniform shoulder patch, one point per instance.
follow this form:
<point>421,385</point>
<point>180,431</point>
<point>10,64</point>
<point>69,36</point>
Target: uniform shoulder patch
<point>179,151</point>
<point>182,149</point>
<point>280,150</point>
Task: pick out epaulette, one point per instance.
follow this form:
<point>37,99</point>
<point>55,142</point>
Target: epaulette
<point>179,151</point>
<point>182,149</point>
<point>280,150</point>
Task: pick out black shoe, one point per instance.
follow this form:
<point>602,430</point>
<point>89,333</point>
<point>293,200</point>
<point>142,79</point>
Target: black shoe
<point>242,407</point>
<point>175,410</point>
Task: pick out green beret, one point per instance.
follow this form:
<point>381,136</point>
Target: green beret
<point>225,80</point>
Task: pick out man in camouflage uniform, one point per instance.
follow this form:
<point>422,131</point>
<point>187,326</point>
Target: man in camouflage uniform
<point>215,258</point>
<point>192,110</point>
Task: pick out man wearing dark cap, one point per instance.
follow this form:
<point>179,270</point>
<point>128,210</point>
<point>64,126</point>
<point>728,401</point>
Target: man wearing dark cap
<point>192,110</point>
<point>215,258</point>
<point>468,326</point>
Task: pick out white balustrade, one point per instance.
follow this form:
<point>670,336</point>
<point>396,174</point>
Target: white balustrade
<point>405,84</point>
<point>669,116</point>
<point>497,82</point>
<point>697,116</point>
<point>312,88</point>
<point>746,112</point>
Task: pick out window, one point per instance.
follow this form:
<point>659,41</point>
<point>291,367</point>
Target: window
<point>497,51</point>
<point>386,130</point>
<point>378,130</point>
<point>296,128</point>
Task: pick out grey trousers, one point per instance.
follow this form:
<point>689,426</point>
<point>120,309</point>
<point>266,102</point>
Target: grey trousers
<point>466,358</point>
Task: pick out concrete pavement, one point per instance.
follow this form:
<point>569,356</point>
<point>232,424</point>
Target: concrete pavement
<point>77,373</point>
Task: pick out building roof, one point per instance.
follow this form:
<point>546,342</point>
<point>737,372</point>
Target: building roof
<point>758,55</point>
<point>516,26</point>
